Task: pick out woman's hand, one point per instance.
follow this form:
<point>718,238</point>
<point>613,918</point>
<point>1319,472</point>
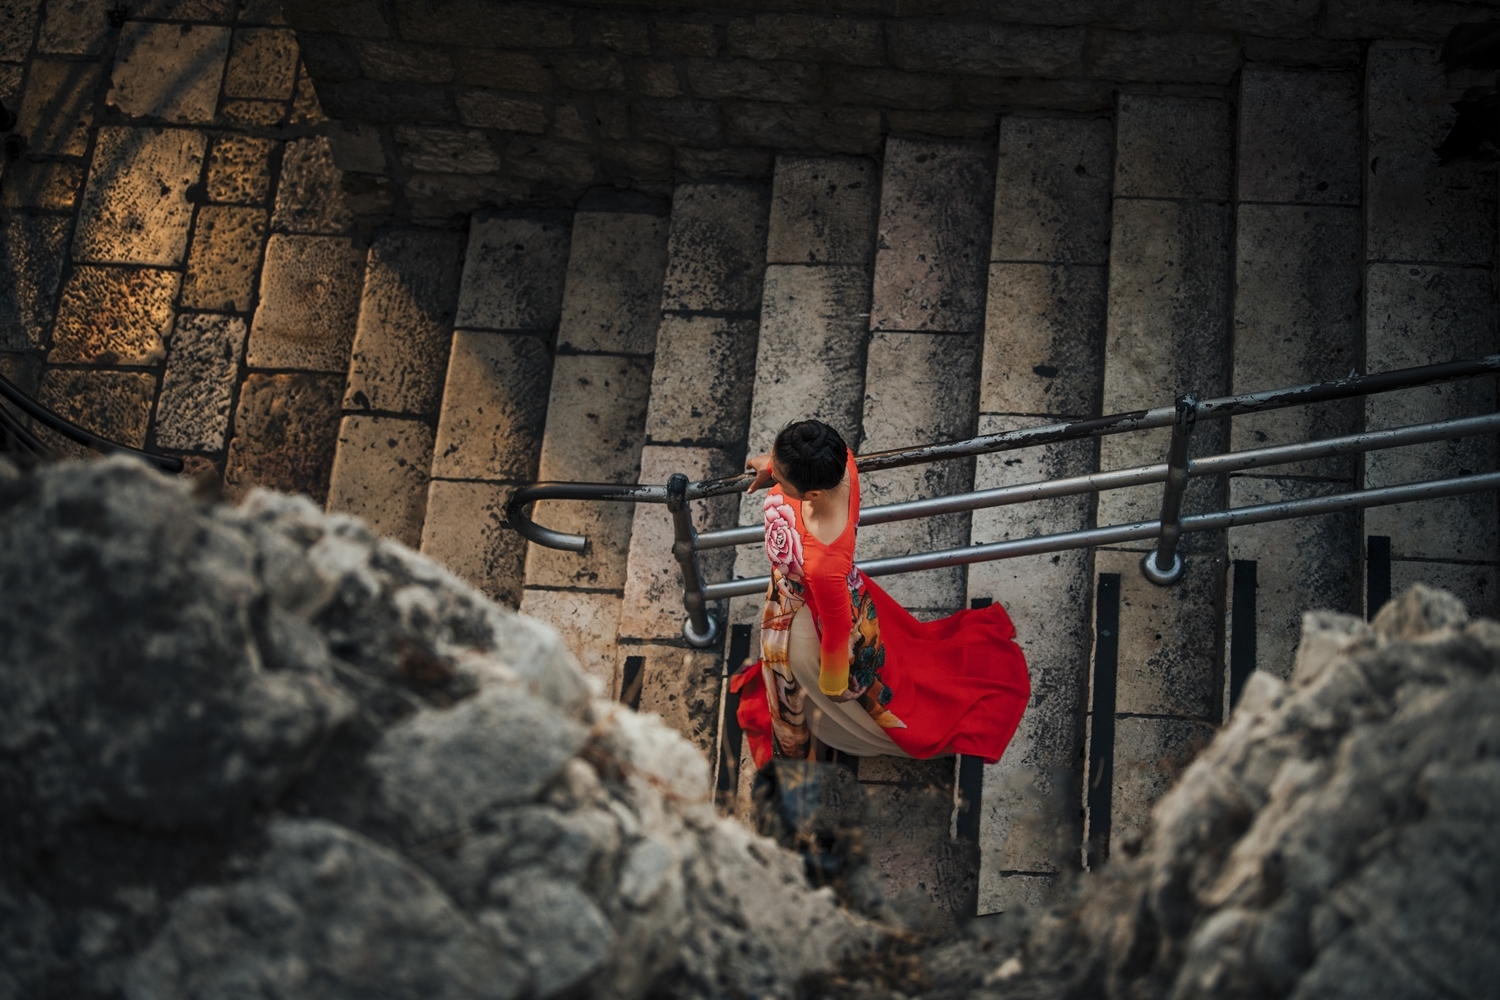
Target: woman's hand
<point>761,466</point>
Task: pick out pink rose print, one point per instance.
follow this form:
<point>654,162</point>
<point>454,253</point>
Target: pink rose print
<point>783,544</point>
<point>852,580</point>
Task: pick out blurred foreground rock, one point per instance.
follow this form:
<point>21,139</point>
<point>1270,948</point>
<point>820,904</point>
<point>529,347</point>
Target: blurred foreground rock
<point>259,752</point>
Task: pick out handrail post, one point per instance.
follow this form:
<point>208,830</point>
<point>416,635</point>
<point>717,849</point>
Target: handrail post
<point>1163,565</point>
<point>701,628</point>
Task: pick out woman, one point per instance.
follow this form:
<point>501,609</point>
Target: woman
<point>841,662</point>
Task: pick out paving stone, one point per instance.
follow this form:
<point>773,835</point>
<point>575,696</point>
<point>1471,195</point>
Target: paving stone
<point>856,41</point>
<point>586,622</point>
<point>114,405</point>
<point>1419,315</point>
<point>10,85</point>
<point>400,354</point>
<point>935,206</point>
<point>380,474</point>
<point>1416,210</point>
<point>58,109</point>
<point>307,108</point>
<point>32,254</point>
<point>596,418</point>
<point>1151,57</point>
<point>285,432</point>
<point>1297,320</point>
<point>1001,892</point>
<point>185,10</point>
<point>224,257</point>
<point>701,381</point>
<point>136,208</point>
<point>262,64</point>
<point>16,31</point>
<point>252,114</point>
<point>309,304</point>
<point>612,299</point>
<point>261,12</point>
<point>196,390</point>
<point>169,71</point>
<point>1299,136</point>
<point>114,316</point>
<point>494,407</point>
<point>1168,661</point>
<point>919,388</point>
<point>1478,586</point>
<point>1173,147</point>
<point>310,196</point>
<point>683,686</point>
<point>933,773</point>
<point>911,854</point>
<point>1301,565</point>
<point>1043,339</point>
<point>716,248</point>
<point>823,211</point>
<point>1052,190</point>
<point>239,170</point>
<point>989,49</point>
<point>1150,754</point>
<point>25,372</point>
<point>47,186</point>
<point>653,582</point>
<point>465,531</point>
<point>71,27</point>
<point>513,273</point>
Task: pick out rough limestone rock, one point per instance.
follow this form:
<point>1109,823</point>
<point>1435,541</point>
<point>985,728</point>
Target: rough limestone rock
<point>260,752</point>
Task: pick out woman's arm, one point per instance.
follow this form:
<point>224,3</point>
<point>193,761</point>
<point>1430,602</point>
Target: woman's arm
<point>761,466</point>
<point>827,581</point>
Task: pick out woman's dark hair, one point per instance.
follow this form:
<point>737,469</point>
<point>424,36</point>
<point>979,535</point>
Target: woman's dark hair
<point>811,454</point>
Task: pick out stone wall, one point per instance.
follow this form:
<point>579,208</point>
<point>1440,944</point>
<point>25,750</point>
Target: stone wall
<point>470,103</point>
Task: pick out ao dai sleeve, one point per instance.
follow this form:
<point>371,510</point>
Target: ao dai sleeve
<point>827,582</point>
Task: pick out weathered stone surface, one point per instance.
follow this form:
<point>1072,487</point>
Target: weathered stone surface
<point>720,79</point>
<point>401,342</point>
<point>224,258</point>
<point>799,126</point>
<point>220,11</point>
<point>441,197</point>
<point>716,248</point>
<point>309,303</point>
<point>810,37</point>
<point>252,114</point>
<point>487,110</point>
<point>680,121</point>
<point>380,474</point>
<point>32,255</point>
<point>1043,339</point>
<point>912,856</point>
<point>465,531</point>
<point>262,64</point>
<point>701,380</point>
<point>612,299</point>
<point>1173,147</point>
<point>114,405</point>
<point>114,316</point>
<point>193,411</point>
<point>720,164</point>
<point>260,12</point>
<point>1051,95</point>
<point>1150,755</point>
<point>136,208</point>
<point>949,124</point>
<point>1052,190</point>
<point>682,686</point>
<point>513,273</point>
<point>16,31</point>
<point>70,27</point>
<point>1317,53</point>
<point>1427,20</point>
<point>889,88</point>
<point>48,186</point>
<point>400,63</point>
<point>169,71</point>
<point>494,407</point>
<point>239,170</point>
<point>285,430</point>
<point>1178,58</point>
<point>364,18</point>
<point>310,196</point>
<point>446,150</point>
<point>684,38</point>
<point>823,211</point>
<point>1478,586</point>
<point>1414,209</point>
<point>503,70</point>
<point>58,108</point>
<point>990,49</point>
<point>460,23</point>
<point>586,621</point>
<point>1299,136</point>
<point>1262,17</point>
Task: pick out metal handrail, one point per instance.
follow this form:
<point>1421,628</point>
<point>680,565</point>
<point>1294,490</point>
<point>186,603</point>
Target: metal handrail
<point>1163,565</point>
<point>69,430</point>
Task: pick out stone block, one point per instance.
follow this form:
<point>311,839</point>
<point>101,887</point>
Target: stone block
<point>1150,755</point>
<point>374,100</point>
<point>1262,17</point>
<point>1414,209</point>
<point>683,687</point>
<point>310,196</point>
<point>911,853</point>
<point>1297,320</point>
<point>586,621</point>
<point>460,22</point>
<point>503,70</point>
<point>854,41</point>
<point>169,71</point>
<point>589,71</point>
<point>252,114</point>
<point>999,580</point>
<point>380,474</point>
<point>612,299</point>
<point>221,11</point>
<point>494,407</point>
<point>949,124</point>
<point>32,254</point>
<point>46,186</point>
<point>69,27</point>
<point>721,79</point>
<point>446,150</point>
<point>114,316</point>
<point>716,248</point>
<point>935,208</point>
<point>262,64</point>
<point>364,18</point>
<point>465,531</point>
<point>653,582</point>
<point>440,198</point>
<point>401,342</point>
<point>285,431</point>
<point>1478,586</point>
<point>1427,20</point>
<point>1002,891</point>
<point>1028,818</point>
<point>1052,191</point>
<point>330,58</point>
<point>1000,93</point>
<point>114,405</point>
<point>16,31</point>
<point>701,381</point>
<point>239,170</point>
<point>10,83</point>
<point>553,163</point>
<point>357,148</point>
<point>1301,565</point>
<point>684,38</point>
<point>1299,136</point>
<point>489,110</point>
<point>224,257</point>
<point>136,208</point>
<point>1043,339</point>
<point>655,78</point>
<point>823,211</point>
<point>889,88</point>
<point>261,12</point>
<point>933,773</point>
<point>677,122</point>
<point>58,109</point>
<point>722,164</point>
<point>596,425</point>
<point>1322,53</point>
<point>513,273</point>
<point>637,161</point>
<point>988,49</point>
<point>198,385</point>
<point>800,127</point>
<point>625,33</point>
<point>1173,147</point>
<point>1143,57</point>
<point>396,62</point>
<point>309,304</point>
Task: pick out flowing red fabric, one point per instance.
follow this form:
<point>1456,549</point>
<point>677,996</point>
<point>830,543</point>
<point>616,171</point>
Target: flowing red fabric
<point>754,712</point>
